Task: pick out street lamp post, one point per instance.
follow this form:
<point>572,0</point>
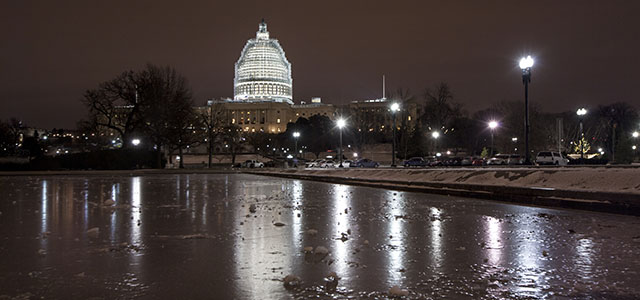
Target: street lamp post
<point>525,64</point>
<point>635,135</point>
<point>492,127</point>
<point>341,123</point>
<point>435,136</point>
<point>296,135</point>
<point>581,112</point>
<point>395,107</point>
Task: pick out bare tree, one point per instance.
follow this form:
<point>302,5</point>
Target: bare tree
<point>232,136</point>
<point>116,104</point>
<point>169,118</point>
<point>213,120</point>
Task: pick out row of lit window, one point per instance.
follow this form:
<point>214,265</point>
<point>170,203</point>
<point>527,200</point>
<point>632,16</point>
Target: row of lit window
<point>270,89</point>
<point>249,121</point>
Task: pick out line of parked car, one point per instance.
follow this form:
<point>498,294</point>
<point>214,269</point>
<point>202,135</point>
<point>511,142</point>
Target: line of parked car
<point>543,158</point>
<point>330,163</point>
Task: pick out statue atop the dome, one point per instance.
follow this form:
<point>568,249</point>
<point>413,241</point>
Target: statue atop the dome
<point>262,33</point>
<point>263,26</point>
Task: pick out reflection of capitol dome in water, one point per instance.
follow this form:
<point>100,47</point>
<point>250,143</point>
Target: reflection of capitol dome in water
<point>262,71</point>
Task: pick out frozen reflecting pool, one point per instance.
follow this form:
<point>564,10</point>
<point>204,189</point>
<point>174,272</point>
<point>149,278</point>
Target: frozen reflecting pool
<point>180,236</point>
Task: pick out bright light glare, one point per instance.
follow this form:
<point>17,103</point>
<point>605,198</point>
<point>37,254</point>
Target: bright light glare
<point>296,134</point>
<point>493,124</point>
<point>581,111</point>
<point>355,154</point>
<point>395,107</point>
<point>635,134</point>
<point>341,123</point>
<point>526,62</point>
<point>135,142</point>
<point>435,134</point>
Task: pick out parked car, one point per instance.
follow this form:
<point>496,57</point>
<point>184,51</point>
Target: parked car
<point>551,158</point>
<point>365,163</point>
<point>466,161</point>
<point>500,159</point>
<point>252,163</point>
<point>478,161</point>
<point>515,159</point>
<point>436,162</point>
<point>453,161</point>
<point>327,164</point>
<point>314,163</point>
<point>415,162</point>
<point>345,163</point>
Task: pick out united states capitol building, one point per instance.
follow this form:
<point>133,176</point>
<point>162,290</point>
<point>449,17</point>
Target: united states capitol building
<point>263,92</point>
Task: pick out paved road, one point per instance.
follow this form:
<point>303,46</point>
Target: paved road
<point>198,236</point>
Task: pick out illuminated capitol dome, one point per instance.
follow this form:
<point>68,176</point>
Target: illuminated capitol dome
<point>262,72</point>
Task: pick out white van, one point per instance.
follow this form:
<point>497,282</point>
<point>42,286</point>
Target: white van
<point>551,158</point>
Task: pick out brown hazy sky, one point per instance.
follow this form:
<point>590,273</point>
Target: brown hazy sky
<point>586,51</point>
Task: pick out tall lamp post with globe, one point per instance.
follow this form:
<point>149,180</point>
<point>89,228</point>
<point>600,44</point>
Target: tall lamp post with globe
<point>296,135</point>
<point>525,64</point>
<point>395,107</point>
<point>581,113</point>
<point>435,135</point>
<point>341,123</point>
<point>492,126</point>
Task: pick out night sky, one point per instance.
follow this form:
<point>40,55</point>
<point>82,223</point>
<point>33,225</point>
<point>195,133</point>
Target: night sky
<point>586,51</point>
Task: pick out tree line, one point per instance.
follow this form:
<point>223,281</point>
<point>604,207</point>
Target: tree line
<point>155,106</point>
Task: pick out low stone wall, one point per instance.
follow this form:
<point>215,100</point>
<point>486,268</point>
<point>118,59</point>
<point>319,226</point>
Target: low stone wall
<point>625,180</point>
<point>602,189</point>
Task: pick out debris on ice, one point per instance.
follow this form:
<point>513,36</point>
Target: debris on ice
<point>252,208</point>
<point>93,232</point>
<point>321,250</point>
<point>312,232</point>
<point>291,281</point>
<point>331,281</point>
<point>396,291</point>
<point>108,202</point>
<point>278,224</point>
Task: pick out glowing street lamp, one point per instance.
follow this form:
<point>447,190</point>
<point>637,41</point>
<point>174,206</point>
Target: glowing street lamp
<point>135,142</point>
<point>435,135</point>
<point>492,126</point>
<point>395,107</point>
<point>525,64</point>
<point>296,135</point>
<point>341,124</point>
<point>635,134</point>
<point>581,112</point>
